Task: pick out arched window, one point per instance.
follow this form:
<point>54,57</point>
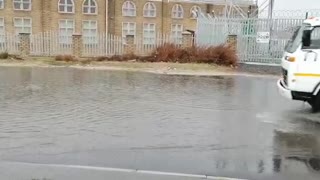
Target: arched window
<point>66,6</point>
<point>90,7</point>
<point>128,9</point>
<point>149,10</point>
<point>177,11</point>
<point>195,11</point>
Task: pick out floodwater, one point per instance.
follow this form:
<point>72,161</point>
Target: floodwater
<point>221,126</point>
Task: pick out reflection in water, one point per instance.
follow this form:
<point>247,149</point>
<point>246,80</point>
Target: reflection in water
<point>299,147</point>
<point>314,163</point>
<point>261,166</point>
<point>277,164</point>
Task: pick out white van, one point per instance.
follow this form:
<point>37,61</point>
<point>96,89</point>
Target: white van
<point>301,65</point>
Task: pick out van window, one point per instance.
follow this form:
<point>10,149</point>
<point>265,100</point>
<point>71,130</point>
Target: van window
<point>315,38</point>
<point>295,39</point>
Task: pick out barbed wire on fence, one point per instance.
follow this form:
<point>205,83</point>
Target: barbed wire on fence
<point>291,14</point>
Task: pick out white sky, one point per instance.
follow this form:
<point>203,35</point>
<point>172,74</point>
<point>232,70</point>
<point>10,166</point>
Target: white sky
<point>295,4</point>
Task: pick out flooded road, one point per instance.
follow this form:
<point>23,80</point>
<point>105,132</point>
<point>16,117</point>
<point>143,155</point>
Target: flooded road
<point>221,126</point>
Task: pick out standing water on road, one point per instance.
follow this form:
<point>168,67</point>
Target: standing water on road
<point>220,126</point>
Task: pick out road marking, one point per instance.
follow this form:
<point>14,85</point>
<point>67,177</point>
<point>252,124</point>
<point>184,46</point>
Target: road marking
<point>124,170</point>
<point>172,174</point>
<point>222,178</point>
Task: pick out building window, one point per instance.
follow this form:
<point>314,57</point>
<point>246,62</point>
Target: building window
<point>128,28</point>
<point>149,10</point>
<point>22,5</point>
<point>1,25</point>
<point>66,6</point>
<point>177,11</point>
<point>22,25</point>
<point>2,31</point>
<point>90,32</point>
<point>128,9</point>
<point>90,7</point>
<point>176,33</point>
<point>195,11</point>
<point>1,4</point>
<point>149,33</point>
<point>66,29</point>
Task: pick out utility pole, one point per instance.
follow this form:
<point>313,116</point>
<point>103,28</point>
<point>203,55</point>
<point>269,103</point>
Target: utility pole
<point>271,5</point>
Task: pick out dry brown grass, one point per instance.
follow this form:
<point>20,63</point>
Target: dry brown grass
<point>66,58</point>
<point>125,57</point>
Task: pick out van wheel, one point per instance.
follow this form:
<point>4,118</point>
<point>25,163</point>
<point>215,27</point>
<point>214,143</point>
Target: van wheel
<point>315,103</point>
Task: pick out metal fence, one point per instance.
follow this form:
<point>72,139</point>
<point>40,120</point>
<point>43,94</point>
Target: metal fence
<point>103,45</point>
<point>9,43</point>
<point>258,40</point>
<point>145,46</point>
<point>52,44</point>
<point>49,44</point>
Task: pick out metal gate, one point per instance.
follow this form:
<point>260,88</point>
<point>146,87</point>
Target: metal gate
<point>258,40</point>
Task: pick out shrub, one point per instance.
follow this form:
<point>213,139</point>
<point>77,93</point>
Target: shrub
<point>166,53</point>
<point>4,55</point>
<point>221,55</point>
<point>66,58</point>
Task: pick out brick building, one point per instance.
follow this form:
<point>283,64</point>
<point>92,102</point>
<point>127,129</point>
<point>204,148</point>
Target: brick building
<point>144,18</point>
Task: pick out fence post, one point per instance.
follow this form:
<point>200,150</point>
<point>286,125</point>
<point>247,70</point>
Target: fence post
<point>187,39</point>
<point>77,45</point>
<point>130,46</point>
<point>232,41</point>
<point>24,45</point>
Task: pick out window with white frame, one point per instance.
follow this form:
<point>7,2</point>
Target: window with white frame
<point>149,33</point>
<point>1,25</point>
<point>1,4</point>
<point>22,25</point>
<point>177,11</point>
<point>90,7</point>
<point>195,11</point>
<point>149,10</point>
<point>22,5</point>
<point>128,9</point>
<point>66,29</point>
<point>128,28</point>
<point>2,30</point>
<point>66,6</point>
<point>176,33</point>
<point>90,32</point>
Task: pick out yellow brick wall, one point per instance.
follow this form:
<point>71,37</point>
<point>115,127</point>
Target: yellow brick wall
<point>8,13</point>
<point>78,16</point>
<point>45,15</point>
<point>163,20</point>
<point>188,22</point>
<point>117,19</point>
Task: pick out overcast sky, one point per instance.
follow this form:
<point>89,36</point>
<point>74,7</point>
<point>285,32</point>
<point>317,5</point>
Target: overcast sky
<point>296,4</point>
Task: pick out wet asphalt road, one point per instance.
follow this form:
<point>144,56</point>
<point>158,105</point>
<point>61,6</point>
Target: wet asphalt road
<point>221,126</point>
